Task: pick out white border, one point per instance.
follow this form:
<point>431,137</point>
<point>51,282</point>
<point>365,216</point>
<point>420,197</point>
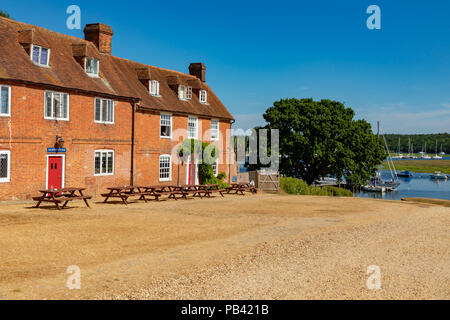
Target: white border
<point>113,111</point>
<point>218,130</point>
<point>93,75</point>
<point>8,178</point>
<point>45,109</point>
<point>63,156</point>
<point>9,101</point>
<point>171,125</point>
<point>113,166</point>
<point>170,167</point>
<point>196,134</point>
<point>38,63</point>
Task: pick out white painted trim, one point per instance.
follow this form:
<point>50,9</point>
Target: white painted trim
<point>113,111</point>
<point>68,106</point>
<point>113,166</point>
<point>8,178</point>
<point>9,101</point>
<point>197,127</point>
<point>170,167</point>
<point>63,171</point>
<point>171,125</point>
<point>206,97</point>
<point>92,75</point>
<point>39,58</point>
<point>218,130</point>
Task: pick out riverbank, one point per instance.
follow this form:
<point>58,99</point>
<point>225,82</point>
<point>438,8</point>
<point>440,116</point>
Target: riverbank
<point>264,246</point>
<point>421,166</point>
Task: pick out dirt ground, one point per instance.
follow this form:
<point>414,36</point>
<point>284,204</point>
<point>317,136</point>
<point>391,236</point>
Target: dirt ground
<point>252,247</point>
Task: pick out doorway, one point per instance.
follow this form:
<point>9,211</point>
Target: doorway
<point>55,172</point>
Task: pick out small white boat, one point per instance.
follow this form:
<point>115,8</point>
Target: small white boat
<point>425,156</point>
<point>439,175</point>
<point>372,188</point>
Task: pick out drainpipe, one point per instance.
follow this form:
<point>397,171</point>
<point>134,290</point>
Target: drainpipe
<point>229,153</point>
<point>133,105</point>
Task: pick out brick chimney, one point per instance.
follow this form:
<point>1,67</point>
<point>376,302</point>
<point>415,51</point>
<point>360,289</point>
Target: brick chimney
<point>99,34</point>
<point>198,69</point>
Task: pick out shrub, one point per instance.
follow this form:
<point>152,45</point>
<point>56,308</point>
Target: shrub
<point>297,186</point>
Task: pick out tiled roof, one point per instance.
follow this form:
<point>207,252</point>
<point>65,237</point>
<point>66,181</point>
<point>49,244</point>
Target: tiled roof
<point>118,77</point>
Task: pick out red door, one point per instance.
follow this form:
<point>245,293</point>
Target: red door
<point>54,172</point>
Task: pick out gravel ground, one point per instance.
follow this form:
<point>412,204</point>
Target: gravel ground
<point>252,247</point>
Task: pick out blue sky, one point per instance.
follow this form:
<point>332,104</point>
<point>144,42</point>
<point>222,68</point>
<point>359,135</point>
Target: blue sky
<point>257,52</point>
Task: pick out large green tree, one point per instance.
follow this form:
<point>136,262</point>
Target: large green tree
<point>319,138</point>
<point>4,14</point>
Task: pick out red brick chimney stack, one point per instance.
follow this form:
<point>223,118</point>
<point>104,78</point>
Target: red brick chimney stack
<point>199,70</point>
<point>99,34</point>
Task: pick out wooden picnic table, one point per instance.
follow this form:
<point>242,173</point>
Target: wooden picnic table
<point>125,192</point>
<point>236,188</point>
<point>64,195</point>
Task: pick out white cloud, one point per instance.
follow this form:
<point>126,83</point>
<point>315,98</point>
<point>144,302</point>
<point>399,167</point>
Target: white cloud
<point>432,121</point>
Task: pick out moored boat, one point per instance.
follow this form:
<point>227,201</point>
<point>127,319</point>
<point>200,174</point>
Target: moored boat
<point>405,174</point>
<point>372,188</point>
<point>439,176</point>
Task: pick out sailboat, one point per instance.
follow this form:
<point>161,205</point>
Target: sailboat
<point>424,154</point>
<point>442,153</point>
<point>436,157</point>
<point>399,155</point>
<point>376,184</point>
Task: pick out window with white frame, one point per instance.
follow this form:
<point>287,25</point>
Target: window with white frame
<point>5,101</point>
<point>184,92</point>
<point>5,166</point>
<point>192,127</point>
<point>104,163</point>
<point>154,88</point>
<point>165,167</point>
<point>215,167</point>
<point>92,66</point>
<point>165,125</point>
<point>56,106</point>
<point>104,110</point>
<point>40,55</point>
<point>214,129</point>
<point>203,96</point>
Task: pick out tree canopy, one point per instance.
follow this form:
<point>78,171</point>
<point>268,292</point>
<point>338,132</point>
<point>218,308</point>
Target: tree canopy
<point>319,138</point>
<point>4,14</point>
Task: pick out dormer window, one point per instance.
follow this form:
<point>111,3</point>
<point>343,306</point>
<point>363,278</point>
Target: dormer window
<point>184,92</point>
<point>91,66</point>
<point>203,96</point>
<point>154,88</point>
<point>40,55</point>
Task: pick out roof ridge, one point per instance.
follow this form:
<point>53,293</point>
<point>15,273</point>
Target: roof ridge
<point>44,29</point>
<point>152,66</point>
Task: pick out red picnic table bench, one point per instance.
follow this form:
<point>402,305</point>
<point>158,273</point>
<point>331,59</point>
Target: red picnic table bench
<point>61,196</point>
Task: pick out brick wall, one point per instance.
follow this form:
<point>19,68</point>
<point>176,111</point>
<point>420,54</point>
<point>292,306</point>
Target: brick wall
<point>28,135</point>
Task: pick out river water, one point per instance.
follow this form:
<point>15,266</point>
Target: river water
<point>420,185</point>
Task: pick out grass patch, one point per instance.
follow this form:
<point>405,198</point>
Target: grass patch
<point>297,186</point>
<point>422,166</point>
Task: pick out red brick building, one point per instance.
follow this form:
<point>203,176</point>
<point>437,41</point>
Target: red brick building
<point>71,114</point>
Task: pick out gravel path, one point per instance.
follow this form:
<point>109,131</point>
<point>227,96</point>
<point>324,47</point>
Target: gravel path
<point>252,247</point>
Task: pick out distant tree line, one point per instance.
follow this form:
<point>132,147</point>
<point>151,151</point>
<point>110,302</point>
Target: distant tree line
<point>418,141</point>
